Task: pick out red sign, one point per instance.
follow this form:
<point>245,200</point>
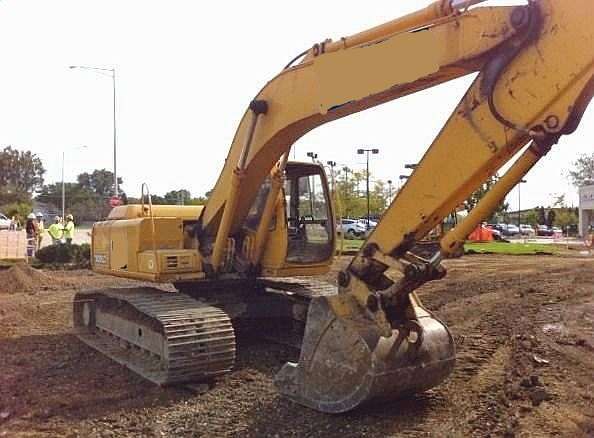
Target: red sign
<point>115,201</point>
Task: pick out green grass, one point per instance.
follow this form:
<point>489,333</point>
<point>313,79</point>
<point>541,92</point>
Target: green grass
<point>510,248</point>
<point>349,245</point>
<point>479,248</point>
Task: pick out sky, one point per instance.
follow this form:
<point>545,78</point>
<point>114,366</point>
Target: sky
<point>186,70</point>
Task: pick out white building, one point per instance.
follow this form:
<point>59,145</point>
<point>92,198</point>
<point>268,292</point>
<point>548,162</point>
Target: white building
<point>586,209</point>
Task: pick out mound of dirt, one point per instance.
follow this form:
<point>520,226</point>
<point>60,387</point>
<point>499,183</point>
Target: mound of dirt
<point>23,278</point>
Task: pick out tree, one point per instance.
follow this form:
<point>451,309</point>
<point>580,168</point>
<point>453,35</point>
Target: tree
<point>99,182</point>
<point>82,202</point>
<point>347,187</point>
<point>173,197</point>
<point>583,174</point>
<point>560,201</point>
<point>551,217</point>
<point>566,218</point>
<point>350,186</point>
<point>541,213</point>
<point>21,174</point>
<point>87,199</point>
<point>18,209</point>
<point>531,217</point>
<point>180,197</point>
<point>476,197</point>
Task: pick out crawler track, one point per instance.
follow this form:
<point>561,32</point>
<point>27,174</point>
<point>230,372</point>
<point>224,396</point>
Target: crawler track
<point>165,337</point>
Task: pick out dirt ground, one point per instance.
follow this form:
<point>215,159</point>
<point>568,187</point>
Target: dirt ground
<point>524,329</point>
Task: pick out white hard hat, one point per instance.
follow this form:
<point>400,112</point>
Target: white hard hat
<point>57,218</point>
<point>31,216</point>
<point>39,214</point>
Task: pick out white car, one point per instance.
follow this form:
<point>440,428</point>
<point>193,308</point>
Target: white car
<point>526,230</point>
<point>4,222</point>
<point>363,222</point>
<point>351,228</point>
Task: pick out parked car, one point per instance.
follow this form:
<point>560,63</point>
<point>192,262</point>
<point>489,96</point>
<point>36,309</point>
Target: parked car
<point>544,231</point>
<point>526,230</point>
<point>557,230</point>
<point>351,228</point>
<point>372,223</point>
<point>498,227</point>
<point>511,230</point>
<point>4,222</point>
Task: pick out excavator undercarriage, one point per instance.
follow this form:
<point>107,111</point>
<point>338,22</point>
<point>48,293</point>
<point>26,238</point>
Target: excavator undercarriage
<point>171,337</point>
<point>251,255</point>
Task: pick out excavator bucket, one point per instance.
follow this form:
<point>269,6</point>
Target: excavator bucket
<point>345,363</point>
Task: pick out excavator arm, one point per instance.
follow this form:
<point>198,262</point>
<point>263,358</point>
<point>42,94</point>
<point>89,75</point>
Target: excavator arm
<point>535,62</point>
<point>335,80</point>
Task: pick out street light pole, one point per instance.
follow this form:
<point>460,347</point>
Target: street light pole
<point>520,202</point>
<point>361,152</point>
<point>63,189</point>
<point>63,182</point>
<point>389,191</point>
<point>346,193</point>
<point>412,167</point>
<point>115,141</point>
<point>346,180</point>
<point>313,157</point>
<point>332,165</point>
<point>112,74</point>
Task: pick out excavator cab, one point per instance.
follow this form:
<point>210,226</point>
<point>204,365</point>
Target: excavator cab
<point>301,232</point>
<point>310,229</point>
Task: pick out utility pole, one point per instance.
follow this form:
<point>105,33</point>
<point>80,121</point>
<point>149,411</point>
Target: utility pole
<point>366,152</point>
<point>389,191</point>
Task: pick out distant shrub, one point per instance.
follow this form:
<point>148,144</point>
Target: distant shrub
<point>79,255</point>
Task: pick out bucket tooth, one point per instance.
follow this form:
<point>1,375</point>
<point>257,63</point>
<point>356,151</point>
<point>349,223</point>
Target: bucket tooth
<point>345,363</point>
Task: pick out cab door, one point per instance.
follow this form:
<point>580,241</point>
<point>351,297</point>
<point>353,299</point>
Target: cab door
<point>310,224</point>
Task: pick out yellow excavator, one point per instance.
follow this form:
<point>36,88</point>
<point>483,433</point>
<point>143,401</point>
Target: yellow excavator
<point>252,256</point>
